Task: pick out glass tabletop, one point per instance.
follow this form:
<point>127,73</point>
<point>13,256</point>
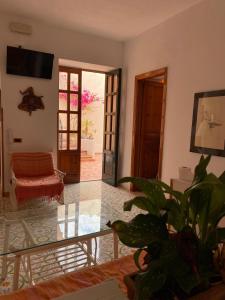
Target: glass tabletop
<point>73,221</point>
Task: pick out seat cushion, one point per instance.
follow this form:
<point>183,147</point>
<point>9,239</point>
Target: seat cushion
<point>32,164</point>
<point>34,187</point>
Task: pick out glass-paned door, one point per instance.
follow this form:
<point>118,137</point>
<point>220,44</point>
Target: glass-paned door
<point>69,123</point>
<point>111,127</point>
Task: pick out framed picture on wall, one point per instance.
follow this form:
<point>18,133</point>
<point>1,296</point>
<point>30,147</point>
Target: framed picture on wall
<point>208,123</point>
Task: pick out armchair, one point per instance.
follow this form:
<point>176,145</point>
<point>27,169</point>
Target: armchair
<point>34,176</point>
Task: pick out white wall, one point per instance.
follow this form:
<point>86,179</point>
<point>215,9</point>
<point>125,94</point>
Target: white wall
<point>39,130</point>
<point>192,46</point>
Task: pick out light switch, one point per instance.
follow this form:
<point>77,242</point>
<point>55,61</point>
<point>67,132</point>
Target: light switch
<point>17,140</point>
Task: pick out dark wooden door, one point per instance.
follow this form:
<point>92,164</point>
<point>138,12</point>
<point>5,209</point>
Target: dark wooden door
<point>111,127</point>
<point>150,128</point>
<point>1,151</point>
<point>69,123</point>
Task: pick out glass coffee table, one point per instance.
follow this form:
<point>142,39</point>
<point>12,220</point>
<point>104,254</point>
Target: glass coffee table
<point>65,235</point>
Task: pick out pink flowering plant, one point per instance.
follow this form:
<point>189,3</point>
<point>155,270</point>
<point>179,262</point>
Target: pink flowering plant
<point>86,98</point>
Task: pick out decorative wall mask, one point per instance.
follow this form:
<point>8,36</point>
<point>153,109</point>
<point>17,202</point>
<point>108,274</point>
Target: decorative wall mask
<point>30,102</point>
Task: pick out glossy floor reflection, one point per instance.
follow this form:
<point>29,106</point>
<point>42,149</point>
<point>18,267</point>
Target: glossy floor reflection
<point>81,214</point>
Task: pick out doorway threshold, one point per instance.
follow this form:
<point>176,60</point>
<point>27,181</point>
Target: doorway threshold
<point>91,169</point>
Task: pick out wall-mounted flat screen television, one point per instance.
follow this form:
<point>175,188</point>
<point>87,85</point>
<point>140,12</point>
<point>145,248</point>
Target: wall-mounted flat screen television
<point>30,63</point>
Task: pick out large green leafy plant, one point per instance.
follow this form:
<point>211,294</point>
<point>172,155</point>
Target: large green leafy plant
<point>178,237</point>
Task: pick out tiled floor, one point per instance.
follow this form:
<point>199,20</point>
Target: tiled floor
<point>75,192</point>
<point>91,168</point>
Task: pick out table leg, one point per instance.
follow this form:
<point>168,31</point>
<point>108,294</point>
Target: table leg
<point>4,267</point>
<point>95,252</point>
<point>29,269</point>
<point>16,272</point>
<point>115,245</point>
<point>89,251</point>
<point>5,250</point>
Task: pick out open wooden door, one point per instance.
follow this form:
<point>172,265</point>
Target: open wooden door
<point>150,127</point>
<point>111,127</point>
<point>1,150</point>
<point>69,123</point>
<point>148,124</point>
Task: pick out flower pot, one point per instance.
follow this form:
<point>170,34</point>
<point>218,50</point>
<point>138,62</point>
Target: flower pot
<point>88,145</point>
<point>131,288</point>
<point>129,280</point>
<point>215,292</point>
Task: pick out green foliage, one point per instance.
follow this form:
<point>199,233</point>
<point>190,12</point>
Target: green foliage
<point>141,230</point>
<point>183,259</point>
<point>87,129</point>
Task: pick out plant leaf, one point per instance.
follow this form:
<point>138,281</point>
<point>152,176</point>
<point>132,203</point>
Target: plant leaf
<point>217,200</point>
<point>204,215</point>
<point>137,257</point>
<point>150,188</point>
<point>222,177</point>
<point>186,280</point>
<point>177,268</point>
<point>142,203</point>
<point>200,169</point>
<point>217,218</point>
<point>207,199</point>
<point>196,203</point>
<point>141,183</point>
<point>151,281</point>
<point>175,217</point>
<point>215,237</point>
<point>167,189</point>
<point>141,230</point>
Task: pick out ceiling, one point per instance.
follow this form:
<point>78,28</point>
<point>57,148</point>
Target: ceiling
<point>116,19</point>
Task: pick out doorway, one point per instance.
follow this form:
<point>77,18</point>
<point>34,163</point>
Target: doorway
<point>92,121</point>
<point>148,126</point>
<point>88,124</point>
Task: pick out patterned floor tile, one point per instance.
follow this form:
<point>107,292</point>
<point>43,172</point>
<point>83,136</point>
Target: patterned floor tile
<point>50,260</point>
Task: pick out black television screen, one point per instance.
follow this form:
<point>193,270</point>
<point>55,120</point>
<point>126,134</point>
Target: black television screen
<point>31,63</point>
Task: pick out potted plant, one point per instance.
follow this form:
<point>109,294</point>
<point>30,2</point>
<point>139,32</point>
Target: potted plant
<point>177,236</point>
<point>87,136</point>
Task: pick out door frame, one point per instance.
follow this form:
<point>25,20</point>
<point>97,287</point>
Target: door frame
<point>74,69</point>
<point>2,169</point>
<point>135,156</point>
